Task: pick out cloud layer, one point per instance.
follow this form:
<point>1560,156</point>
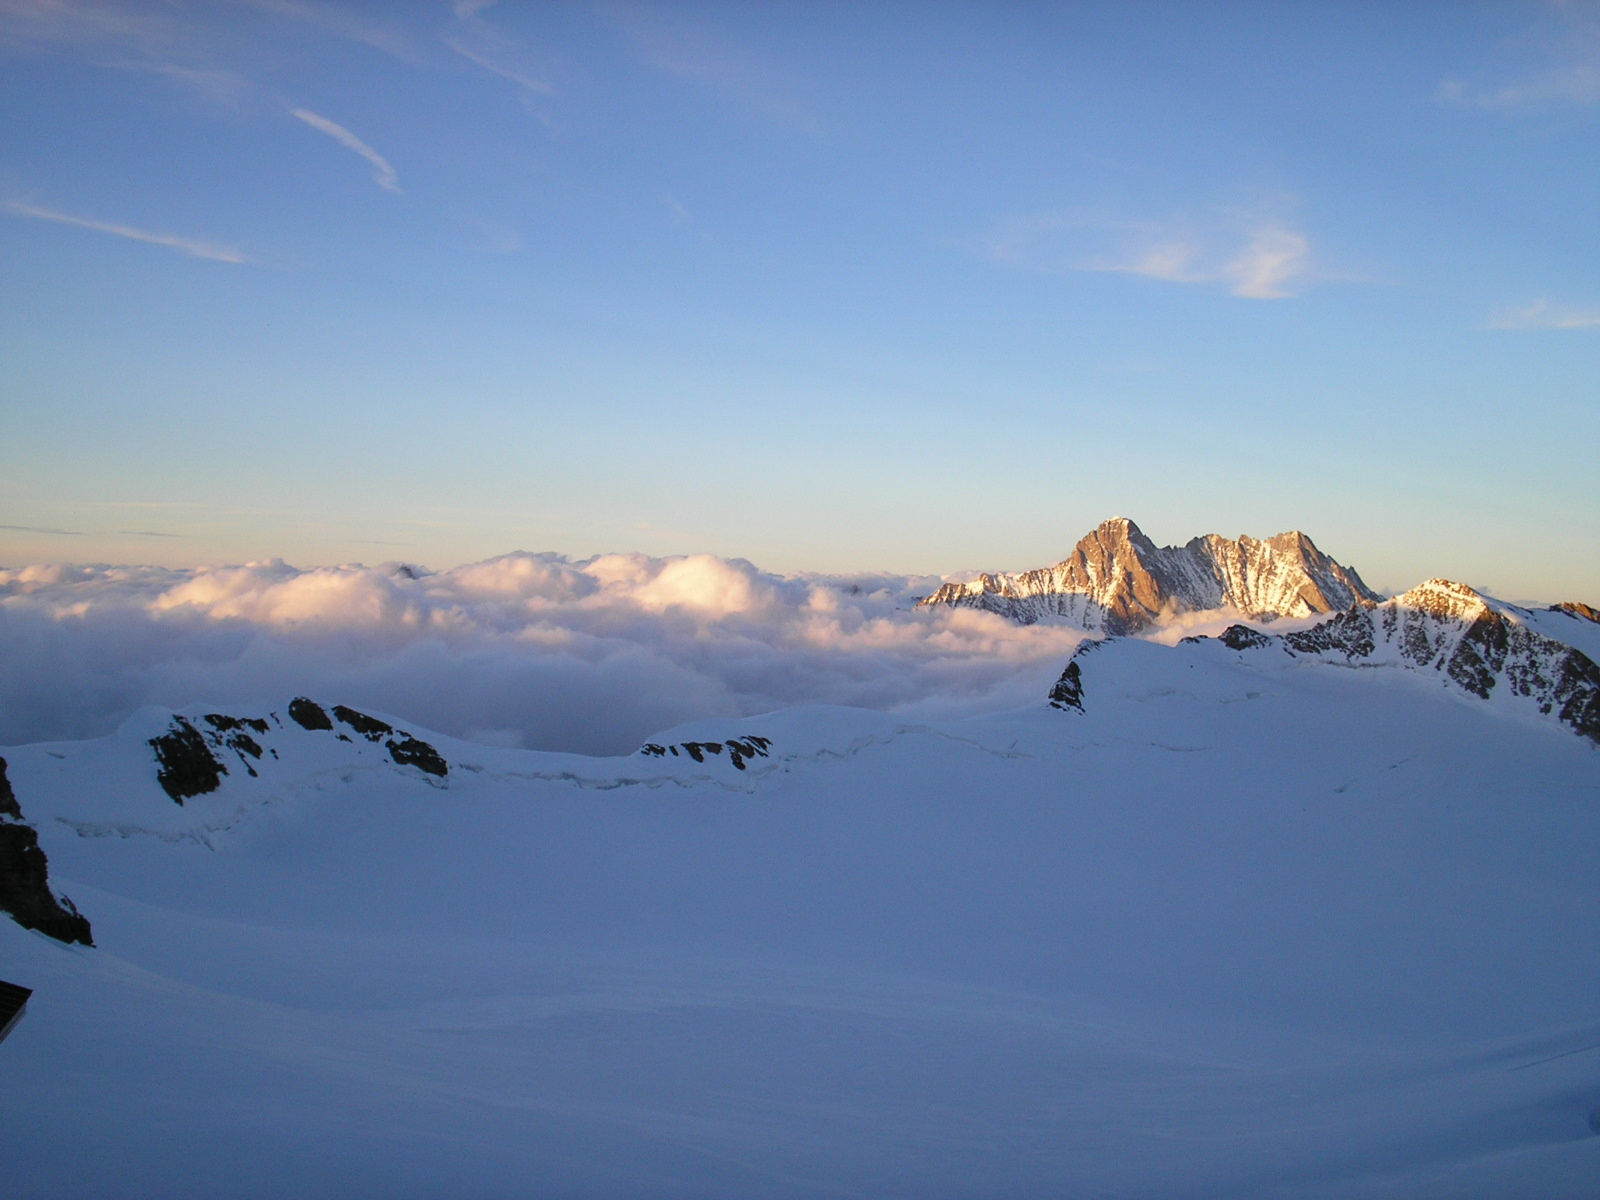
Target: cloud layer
<point>525,650</point>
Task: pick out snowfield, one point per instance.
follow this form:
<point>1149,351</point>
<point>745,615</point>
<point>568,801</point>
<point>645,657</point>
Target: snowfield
<point>1248,925</point>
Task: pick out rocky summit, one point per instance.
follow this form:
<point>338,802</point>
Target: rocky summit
<point>1118,581</point>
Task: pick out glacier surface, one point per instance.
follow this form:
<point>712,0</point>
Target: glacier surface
<point>1249,924</point>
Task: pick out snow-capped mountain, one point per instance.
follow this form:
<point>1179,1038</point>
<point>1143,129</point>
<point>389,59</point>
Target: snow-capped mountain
<point>1438,630</point>
<point>1118,581</point>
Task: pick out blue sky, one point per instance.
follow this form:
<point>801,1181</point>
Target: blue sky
<point>826,286</point>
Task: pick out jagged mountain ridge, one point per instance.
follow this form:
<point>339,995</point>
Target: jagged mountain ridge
<point>1472,644</point>
<point>1117,581</point>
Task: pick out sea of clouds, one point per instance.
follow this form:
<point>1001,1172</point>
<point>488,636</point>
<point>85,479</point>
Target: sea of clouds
<point>527,650</point>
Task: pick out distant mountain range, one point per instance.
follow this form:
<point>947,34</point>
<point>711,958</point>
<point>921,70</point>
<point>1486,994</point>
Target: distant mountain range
<point>1118,581</point>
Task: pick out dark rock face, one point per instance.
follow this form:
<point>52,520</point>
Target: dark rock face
<point>1242,637</point>
<point>1119,581</point>
<point>229,733</point>
<point>8,798</point>
<point>1350,633</point>
<point>1068,690</point>
<point>226,723</point>
<point>1575,697</point>
<point>412,752</point>
<point>308,714</point>
<point>739,749</point>
<point>187,754</point>
<point>368,727</point>
<point>25,878</point>
<point>187,766</point>
<point>403,748</point>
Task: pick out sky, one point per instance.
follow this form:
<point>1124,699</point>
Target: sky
<point>914,288</point>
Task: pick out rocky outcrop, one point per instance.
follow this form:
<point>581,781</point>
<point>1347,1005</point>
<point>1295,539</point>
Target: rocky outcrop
<point>1242,637</point>
<point>368,727</point>
<point>189,755</point>
<point>738,749</point>
<point>414,752</point>
<point>1118,581</point>
<point>403,748</point>
<point>25,891</point>
<point>1472,644</point>
<point>1068,690</point>
<point>1582,612</point>
<point>308,714</point>
<point>185,766</point>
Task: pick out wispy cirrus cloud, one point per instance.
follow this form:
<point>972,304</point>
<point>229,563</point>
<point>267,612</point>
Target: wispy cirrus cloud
<point>90,24</point>
<point>219,84</point>
<point>1252,258</point>
<point>1541,314</point>
<point>342,24</point>
<point>1273,259</point>
<point>1560,65</point>
<point>43,529</point>
<point>163,40</point>
<point>483,59</point>
<point>750,81</point>
<point>485,46</point>
<point>190,246</point>
<point>382,173</point>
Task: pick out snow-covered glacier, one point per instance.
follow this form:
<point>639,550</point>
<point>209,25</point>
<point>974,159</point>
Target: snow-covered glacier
<point>1247,918</point>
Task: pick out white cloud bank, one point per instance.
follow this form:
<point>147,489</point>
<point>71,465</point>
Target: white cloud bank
<point>527,649</point>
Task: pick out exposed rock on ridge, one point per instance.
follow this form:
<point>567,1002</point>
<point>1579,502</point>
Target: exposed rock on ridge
<point>1572,608</point>
<point>1118,581</point>
<point>186,754</point>
<point>1449,628</point>
<point>1472,644</point>
<point>25,877</point>
<point>739,749</point>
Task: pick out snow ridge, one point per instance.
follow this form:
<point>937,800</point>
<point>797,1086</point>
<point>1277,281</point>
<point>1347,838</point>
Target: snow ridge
<point>1474,645</point>
<point>1118,581</point>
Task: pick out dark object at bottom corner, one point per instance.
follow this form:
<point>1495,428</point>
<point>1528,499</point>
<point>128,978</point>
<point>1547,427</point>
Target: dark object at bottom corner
<point>13,1003</point>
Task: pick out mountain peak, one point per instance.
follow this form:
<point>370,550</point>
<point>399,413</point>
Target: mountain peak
<point>1118,581</point>
<point>1446,599</point>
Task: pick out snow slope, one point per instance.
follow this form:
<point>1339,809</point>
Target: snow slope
<point>1248,924</point>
